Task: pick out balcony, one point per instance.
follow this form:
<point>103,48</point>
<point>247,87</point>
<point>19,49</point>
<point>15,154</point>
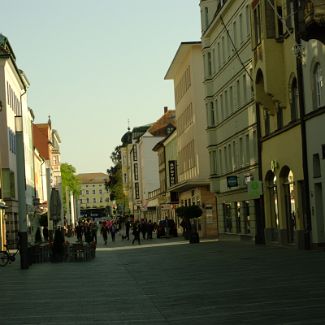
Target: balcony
<point>314,20</point>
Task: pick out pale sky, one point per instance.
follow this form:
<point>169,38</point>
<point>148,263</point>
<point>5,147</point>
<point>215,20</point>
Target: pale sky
<point>95,64</point>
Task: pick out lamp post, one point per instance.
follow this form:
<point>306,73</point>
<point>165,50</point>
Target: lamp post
<point>20,160</point>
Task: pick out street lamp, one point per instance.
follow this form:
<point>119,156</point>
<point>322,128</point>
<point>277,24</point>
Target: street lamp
<point>20,160</point>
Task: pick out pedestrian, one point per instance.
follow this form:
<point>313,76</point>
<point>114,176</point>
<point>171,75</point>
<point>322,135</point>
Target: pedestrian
<point>79,231</point>
<point>104,232</point>
<point>127,229</point>
<point>113,231</point>
<point>136,232</point>
<point>94,229</point>
<point>143,228</point>
<point>149,229</point>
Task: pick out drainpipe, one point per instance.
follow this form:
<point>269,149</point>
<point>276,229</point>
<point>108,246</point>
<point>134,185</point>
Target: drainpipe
<point>21,184</point>
<point>305,194</point>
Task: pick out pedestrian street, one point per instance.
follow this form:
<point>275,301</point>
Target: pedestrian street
<point>169,281</point>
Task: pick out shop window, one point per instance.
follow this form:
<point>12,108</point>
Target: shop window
<point>227,217</point>
<point>247,228</point>
<point>316,166</point>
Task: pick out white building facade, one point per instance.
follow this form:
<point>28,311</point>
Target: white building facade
<point>230,108</point>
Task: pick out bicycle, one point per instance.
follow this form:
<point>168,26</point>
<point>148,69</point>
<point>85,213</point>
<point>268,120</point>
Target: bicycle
<point>7,257</point>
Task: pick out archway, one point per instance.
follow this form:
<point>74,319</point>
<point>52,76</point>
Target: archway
<point>289,200</point>
<point>272,193</point>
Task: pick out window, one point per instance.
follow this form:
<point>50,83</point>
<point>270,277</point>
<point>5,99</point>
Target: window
<point>137,190</point>
<point>267,122</point>
<point>100,191</point>
<point>294,102</point>
<point>226,103</point>
<point>136,175</point>
<point>279,116</point>
<point>220,162</point>
<point>235,34</point>
<point>94,200</point>
<point>217,114</point>
<point>248,24</point>
<point>247,149</point>
<point>206,17</point>
<point>226,158</point>
<point>241,152</point>
<point>213,60</point>
<point>87,192</point>
<point>318,83</point>
<point>316,166</point>
<point>212,115</point>
<point>255,145</point>
<point>244,90</point>
<point>257,25</point>
<point>231,102</point>
<point>279,21</point>
<point>238,93</point>
<point>135,156</point>
<point>221,107</point>
<point>223,50</point>
<point>94,191</point>
<point>241,37</point>
<point>209,64</point>
<point>234,155</point>
<point>230,158</point>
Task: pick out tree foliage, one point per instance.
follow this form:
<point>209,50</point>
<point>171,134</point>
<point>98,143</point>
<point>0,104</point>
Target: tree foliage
<point>115,182</point>
<point>190,212</point>
<point>69,180</point>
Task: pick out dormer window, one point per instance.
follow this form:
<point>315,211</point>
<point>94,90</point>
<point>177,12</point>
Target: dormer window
<point>206,17</point>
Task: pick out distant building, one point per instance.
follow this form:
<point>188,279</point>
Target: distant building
<point>94,198</point>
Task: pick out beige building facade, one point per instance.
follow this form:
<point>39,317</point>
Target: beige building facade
<point>193,186</point>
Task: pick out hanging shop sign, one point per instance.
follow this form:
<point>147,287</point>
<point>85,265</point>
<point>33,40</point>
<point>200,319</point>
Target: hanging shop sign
<point>232,181</point>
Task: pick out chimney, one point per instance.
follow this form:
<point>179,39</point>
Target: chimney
<point>165,109</point>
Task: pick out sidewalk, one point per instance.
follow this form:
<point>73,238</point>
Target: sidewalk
<point>180,283</point>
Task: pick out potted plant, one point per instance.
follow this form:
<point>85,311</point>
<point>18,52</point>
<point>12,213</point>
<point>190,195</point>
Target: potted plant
<point>189,215</point>
<point>194,212</point>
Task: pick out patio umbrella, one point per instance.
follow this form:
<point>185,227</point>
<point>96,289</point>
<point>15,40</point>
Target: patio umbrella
<point>55,206</point>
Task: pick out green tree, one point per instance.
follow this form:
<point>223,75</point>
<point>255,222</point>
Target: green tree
<point>115,183</point>
<point>69,181</point>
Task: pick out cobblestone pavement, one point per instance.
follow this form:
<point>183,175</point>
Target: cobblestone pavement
<point>169,281</point>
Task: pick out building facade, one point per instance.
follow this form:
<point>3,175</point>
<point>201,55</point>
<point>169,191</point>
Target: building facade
<point>312,62</point>
<point>94,198</point>
<point>193,187</point>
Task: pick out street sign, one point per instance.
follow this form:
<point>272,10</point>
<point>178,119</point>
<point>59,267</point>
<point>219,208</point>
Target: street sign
<point>232,181</point>
<point>254,189</point>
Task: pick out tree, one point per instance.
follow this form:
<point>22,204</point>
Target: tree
<point>115,183</point>
<point>69,180</point>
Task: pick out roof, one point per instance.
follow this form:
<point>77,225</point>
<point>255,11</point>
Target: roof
<point>159,128</point>
<point>40,139</point>
<point>92,178</point>
<point>138,131</point>
<point>179,57</point>
<point>5,47</point>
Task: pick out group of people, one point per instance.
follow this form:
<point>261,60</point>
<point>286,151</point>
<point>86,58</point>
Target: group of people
<point>86,230</point>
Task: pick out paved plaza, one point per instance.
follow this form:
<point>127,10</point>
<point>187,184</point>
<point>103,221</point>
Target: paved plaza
<point>169,281</point>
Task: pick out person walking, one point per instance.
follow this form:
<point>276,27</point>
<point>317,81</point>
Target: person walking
<point>127,230</point>
<point>94,229</point>
<point>113,231</point>
<point>149,230</point>
<point>136,232</point>
<point>104,232</point>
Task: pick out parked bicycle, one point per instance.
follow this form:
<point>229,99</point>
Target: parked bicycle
<point>7,257</point>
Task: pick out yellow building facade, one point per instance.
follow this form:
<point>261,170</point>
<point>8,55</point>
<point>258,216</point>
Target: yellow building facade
<point>278,109</point>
